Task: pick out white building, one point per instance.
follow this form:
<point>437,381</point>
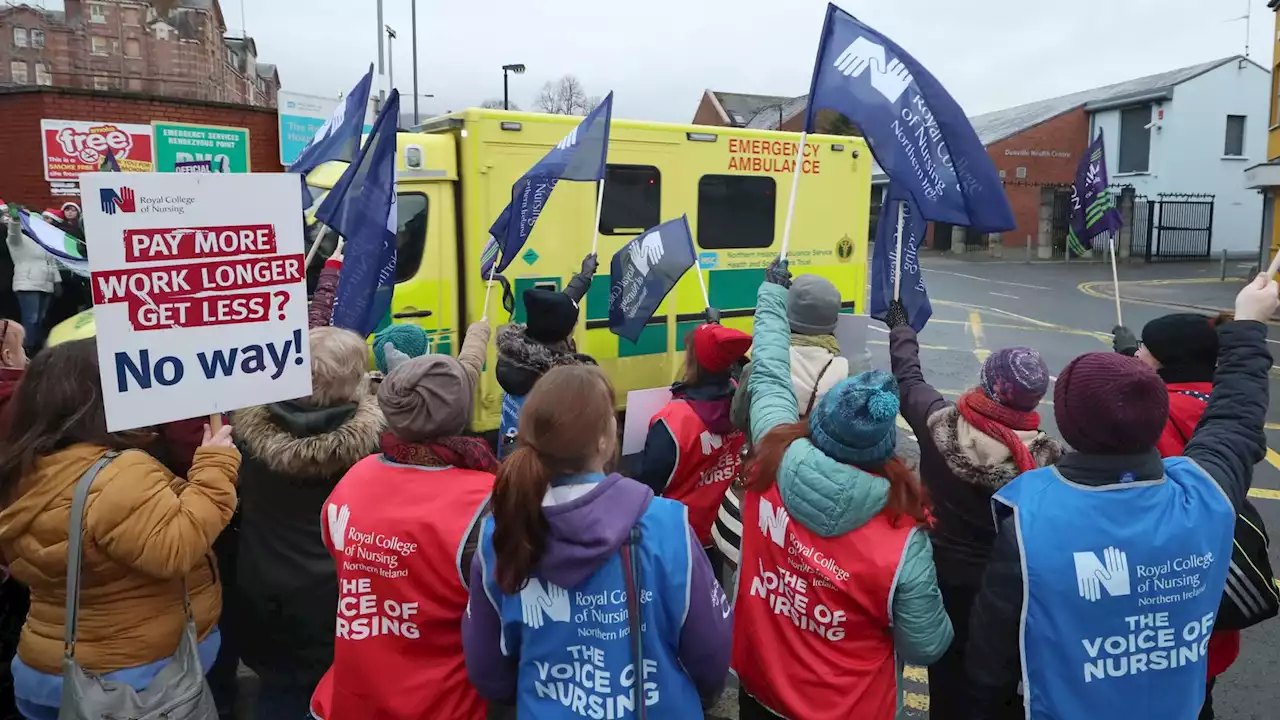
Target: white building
<point>1196,136</point>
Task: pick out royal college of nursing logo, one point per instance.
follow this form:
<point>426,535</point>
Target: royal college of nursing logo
<point>890,78</point>
<point>540,600</point>
<point>338,518</point>
<point>1112,573</point>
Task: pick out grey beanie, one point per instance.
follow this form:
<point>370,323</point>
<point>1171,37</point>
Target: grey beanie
<point>426,397</point>
<point>813,306</point>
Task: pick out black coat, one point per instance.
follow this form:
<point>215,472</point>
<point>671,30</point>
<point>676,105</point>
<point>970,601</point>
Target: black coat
<point>293,456</point>
<point>1228,442</point>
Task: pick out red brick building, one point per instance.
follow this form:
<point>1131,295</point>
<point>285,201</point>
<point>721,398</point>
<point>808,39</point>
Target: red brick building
<point>169,48</point>
<point>23,178</point>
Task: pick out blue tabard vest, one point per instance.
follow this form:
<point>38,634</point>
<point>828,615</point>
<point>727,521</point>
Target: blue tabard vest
<point>573,645</point>
<point>1123,584</point>
<point>511,405</point>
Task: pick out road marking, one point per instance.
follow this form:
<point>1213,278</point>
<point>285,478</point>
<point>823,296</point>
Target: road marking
<point>915,701</point>
<point>1273,457</point>
<point>902,423</point>
<point>1104,337</point>
<point>922,346</point>
<point>987,280</point>
<point>975,324</point>
<point>915,674</point>
<point>1264,493</point>
<point>1014,297</point>
<point>877,328</point>
<point>1272,426</point>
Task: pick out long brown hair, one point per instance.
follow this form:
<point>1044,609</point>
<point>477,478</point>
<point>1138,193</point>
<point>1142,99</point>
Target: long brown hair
<point>58,403</point>
<point>563,419</point>
<point>907,496</point>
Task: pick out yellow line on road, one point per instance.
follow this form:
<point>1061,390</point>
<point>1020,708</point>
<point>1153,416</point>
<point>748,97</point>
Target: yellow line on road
<point>1104,337</point>
<point>1273,457</point>
<point>915,673</point>
<point>916,701</point>
<point>1272,426</point>
<point>1264,493</point>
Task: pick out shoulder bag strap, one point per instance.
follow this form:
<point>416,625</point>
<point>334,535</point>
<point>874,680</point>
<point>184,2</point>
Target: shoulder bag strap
<point>631,571</point>
<point>75,549</point>
<point>816,384</point>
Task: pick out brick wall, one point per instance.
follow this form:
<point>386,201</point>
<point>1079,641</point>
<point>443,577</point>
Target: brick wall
<point>22,169</point>
<point>1055,148</point>
<point>707,113</point>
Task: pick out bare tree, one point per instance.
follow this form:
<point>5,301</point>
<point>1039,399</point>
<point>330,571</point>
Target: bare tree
<point>496,104</point>
<point>565,96</point>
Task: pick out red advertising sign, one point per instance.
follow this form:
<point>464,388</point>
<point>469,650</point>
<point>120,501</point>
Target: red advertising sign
<point>72,147</point>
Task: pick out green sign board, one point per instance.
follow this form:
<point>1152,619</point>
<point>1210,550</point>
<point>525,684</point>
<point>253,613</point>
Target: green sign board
<point>226,149</point>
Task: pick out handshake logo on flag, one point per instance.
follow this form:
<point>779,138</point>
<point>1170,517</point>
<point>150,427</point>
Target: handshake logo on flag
<point>890,80</point>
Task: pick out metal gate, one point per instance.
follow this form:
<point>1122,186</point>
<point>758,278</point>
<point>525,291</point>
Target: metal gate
<point>1173,227</point>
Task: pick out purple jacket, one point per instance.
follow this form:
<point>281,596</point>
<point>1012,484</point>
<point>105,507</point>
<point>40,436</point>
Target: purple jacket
<point>587,525</point>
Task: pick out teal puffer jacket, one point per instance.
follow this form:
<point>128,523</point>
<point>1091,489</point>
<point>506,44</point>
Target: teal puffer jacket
<point>831,498</point>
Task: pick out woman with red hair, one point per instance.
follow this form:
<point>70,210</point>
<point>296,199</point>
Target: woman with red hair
<point>837,575</point>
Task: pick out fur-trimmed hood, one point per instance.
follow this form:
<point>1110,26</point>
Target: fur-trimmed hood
<point>301,441</point>
<point>522,360</point>
<point>980,460</point>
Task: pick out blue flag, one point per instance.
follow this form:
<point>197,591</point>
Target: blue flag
<point>362,208</point>
<point>885,262</point>
<point>917,132</point>
<point>338,138</point>
<point>1093,207</point>
<point>579,156</point>
<point>644,271</point>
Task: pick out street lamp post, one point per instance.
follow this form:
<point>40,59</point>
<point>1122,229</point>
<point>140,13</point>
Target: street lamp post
<point>517,68</point>
<point>413,9</point>
<point>391,56</point>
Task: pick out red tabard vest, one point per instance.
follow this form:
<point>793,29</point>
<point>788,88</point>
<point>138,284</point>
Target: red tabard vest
<point>706,465</point>
<point>816,608</point>
<point>396,534</point>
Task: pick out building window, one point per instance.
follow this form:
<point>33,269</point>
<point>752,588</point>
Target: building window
<point>97,13</point>
<point>98,45</point>
<point>37,38</point>
<point>1235,136</point>
<point>162,32</point>
<point>19,37</point>
<point>1135,139</point>
<point>101,82</point>
<point>632,198</point>
<point>411,234</point>
<point>18,71</point>
<point>135,84</point>
<point>131,16</point>
<point>736,211</point>
<point>133,48</point>
<point>43,76</point>
<point>1022,173</point>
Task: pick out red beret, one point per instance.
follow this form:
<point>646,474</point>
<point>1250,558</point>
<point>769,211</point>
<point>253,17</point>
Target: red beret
<point>717,347</point>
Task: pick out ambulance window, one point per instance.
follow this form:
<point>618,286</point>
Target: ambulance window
<point>411,234</point>
<point>632,199</point>
<point>736,211</point>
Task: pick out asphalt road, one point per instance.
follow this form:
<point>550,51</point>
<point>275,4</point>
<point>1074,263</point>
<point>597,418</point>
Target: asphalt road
<point>982,306</point>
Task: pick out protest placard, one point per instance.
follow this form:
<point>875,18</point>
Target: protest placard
<point>199,294</point>
<point>642,405</point>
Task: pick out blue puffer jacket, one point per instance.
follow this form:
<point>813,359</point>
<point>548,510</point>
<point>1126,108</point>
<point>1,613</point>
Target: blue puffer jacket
<point>831,498</point>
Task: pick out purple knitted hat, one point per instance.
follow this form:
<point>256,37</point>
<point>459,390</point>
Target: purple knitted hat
<point>1109,404</point>
<point>1016,377</point>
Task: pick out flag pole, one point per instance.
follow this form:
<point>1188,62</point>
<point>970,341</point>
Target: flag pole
<point>1275,265</point>
<point>595,229</point>
<point>702,282</point>
<point>791,201</point>
<point>315,247</point>
<point>1115,276</point>
<point>484,316</point>
<point>897,274</point>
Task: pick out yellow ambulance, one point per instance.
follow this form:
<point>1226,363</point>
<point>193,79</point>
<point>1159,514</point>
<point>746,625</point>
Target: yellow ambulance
<point>454,176</point>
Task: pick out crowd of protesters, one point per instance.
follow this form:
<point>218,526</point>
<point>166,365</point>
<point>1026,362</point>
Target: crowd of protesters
<point>367,557</point>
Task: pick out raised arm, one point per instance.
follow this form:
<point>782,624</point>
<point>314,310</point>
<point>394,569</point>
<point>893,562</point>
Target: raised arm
<point>773,400</point>
<point>581,283</point>
<point>919,398</point>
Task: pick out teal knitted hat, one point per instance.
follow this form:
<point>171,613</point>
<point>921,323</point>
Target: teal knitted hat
<point>408,339</point>
<point>854,422</point>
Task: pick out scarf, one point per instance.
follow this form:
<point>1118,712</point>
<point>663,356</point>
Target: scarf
<point>998,422</point>
<point>826,342</point>
<point>468,453</point>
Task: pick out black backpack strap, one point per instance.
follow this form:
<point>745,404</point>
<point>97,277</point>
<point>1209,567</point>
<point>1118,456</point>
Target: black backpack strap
<point>631,573</point>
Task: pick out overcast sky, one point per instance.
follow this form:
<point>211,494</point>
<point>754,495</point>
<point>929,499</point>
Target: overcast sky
<point>659,55</point>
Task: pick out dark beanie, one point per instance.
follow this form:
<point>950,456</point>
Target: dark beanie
<point>550,315</point>
<point>1110,404</point>
<point>1186,345</point>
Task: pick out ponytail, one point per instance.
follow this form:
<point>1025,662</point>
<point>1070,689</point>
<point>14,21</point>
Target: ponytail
<point>520,529</point>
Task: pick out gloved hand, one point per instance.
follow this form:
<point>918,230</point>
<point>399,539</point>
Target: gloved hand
<point>778,273</point>
<point>897,315</point>
<point>395,358</point>
<point>590,264</point>
<point>712,316</point>
<point>1124,341</point>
